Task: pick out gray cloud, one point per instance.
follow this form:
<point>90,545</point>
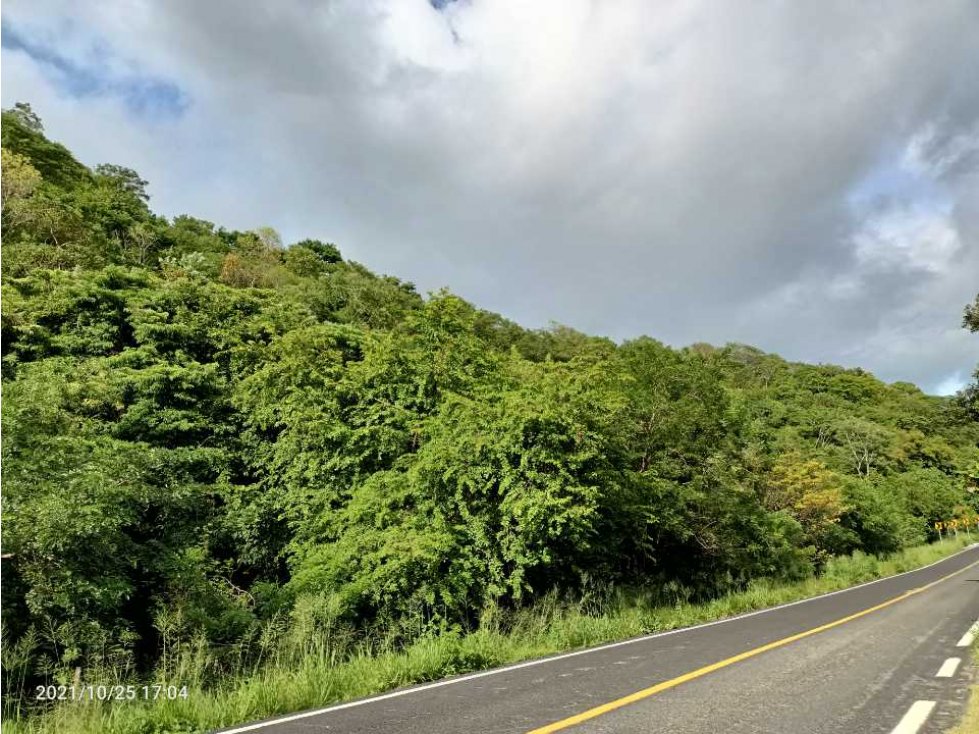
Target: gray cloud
<point>686,170</point>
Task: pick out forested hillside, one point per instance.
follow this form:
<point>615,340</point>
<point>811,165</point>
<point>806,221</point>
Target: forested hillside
<point>208,435</point>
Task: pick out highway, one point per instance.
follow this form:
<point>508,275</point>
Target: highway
<point>891,656</point>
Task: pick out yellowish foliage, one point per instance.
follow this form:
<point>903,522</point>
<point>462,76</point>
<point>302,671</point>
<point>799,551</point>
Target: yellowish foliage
<point>810,491</point>
<point>18,179</point>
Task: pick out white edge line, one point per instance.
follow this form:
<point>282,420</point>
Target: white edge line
<point>914,718</point>
<point>576,653</point>
<point>969,636</point>
<point>948,668</point>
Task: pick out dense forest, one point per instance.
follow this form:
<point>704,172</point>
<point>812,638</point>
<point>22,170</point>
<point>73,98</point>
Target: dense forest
<point>206,431</point>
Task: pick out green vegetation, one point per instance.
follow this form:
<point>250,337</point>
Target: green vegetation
<point>274,476</point>
<point>970,719</point>
<point>313,665</point>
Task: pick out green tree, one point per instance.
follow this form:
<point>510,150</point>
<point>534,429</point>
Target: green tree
<point>22,133</point>
<point>969,397</point>
<point>813,495</point>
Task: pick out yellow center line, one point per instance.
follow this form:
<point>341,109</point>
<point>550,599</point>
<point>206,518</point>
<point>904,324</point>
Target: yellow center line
<point>700,672</point>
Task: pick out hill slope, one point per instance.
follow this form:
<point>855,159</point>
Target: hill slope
<point>208,436</point>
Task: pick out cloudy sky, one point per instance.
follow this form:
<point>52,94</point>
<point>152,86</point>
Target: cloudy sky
<point>803,177</point>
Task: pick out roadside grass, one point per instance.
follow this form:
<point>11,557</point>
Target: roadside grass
<point>970,720</point>
<point>324,669</point>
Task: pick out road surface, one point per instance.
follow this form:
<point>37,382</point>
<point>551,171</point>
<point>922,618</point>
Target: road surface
<point>889,656</point>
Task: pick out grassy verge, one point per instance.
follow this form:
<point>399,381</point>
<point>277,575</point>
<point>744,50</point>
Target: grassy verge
<point>320,676</point>
<point>970,721</point>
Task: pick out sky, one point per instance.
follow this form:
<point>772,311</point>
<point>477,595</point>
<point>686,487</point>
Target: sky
<point>802,177</point>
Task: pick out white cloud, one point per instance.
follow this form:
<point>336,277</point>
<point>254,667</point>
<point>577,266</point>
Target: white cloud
<point>935,153</point>
<point>907,238</point>
<point>952,384</point>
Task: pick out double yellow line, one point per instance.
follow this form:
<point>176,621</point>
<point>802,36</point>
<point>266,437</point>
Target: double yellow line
<point>700,672</point>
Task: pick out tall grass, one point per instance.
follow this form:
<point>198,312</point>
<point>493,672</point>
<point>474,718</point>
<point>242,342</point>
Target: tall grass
<point>970,717</point>
<point>305,664</point>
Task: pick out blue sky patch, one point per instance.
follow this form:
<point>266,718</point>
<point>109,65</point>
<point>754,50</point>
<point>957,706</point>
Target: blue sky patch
<point>143,95</point>
<point>891,181</point>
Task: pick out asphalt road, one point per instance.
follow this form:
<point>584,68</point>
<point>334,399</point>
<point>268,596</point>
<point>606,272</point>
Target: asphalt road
<point>863,660</point>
